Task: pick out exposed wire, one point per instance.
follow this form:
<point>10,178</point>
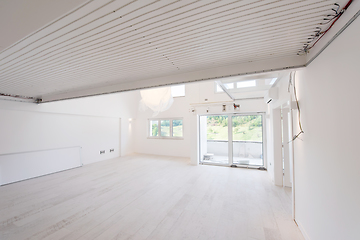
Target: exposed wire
<point>297,105</point>
<point>36,100</point>
<point>331,18</point>
<point>289,83</point>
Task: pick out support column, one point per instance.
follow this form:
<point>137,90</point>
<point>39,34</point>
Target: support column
<point>277,145</point>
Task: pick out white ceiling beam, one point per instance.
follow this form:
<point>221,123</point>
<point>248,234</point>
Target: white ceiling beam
<point>266,66</point>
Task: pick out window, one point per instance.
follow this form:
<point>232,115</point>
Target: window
<point>226,85</point>
<point>177,125</point>
<point>178,90</point>
<point>270,81</point>
<point>236,84</point>
<point>154,125</point>
<point>245,84</point>
<point>229,85</point>
<point>166,128</point>
<point>218,88</point>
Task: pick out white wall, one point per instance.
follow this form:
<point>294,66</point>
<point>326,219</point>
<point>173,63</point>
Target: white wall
<point>31,131</point>
<point>167,147</point>
<point>195,93</point>
<point>274,128</point>
<point>92,123</point>
<point>327,174</point>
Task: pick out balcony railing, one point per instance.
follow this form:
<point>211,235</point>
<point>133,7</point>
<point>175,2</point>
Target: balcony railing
<point>242,149</point>
<point>244,152</point>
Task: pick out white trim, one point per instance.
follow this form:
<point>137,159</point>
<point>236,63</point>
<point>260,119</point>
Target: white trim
<point>169,138</point>
<point>302,230</point>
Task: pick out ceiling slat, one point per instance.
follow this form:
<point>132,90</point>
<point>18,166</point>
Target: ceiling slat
<point>117,41</point>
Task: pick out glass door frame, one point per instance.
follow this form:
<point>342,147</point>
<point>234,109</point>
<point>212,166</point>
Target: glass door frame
<point>199,139</point>
<point>230,139</point>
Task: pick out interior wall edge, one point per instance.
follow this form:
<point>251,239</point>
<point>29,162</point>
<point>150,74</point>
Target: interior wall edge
<point>302,229</point>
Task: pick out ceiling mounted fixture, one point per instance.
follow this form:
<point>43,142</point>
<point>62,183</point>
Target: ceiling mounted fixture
<point>157,99</point>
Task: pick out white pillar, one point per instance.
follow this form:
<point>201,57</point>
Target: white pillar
<point>277,145</point>
<point>194,139</point>
<point>286,145</point>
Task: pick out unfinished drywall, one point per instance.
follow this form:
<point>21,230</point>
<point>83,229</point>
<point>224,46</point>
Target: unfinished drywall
<point>327,164</point>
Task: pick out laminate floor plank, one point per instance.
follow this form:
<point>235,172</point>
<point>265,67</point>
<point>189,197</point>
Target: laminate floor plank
<point>145,197</point>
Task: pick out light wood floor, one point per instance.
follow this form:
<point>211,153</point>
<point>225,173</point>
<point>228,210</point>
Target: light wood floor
<point>147,197</point>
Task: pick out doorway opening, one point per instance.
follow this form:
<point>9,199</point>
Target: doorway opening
<point>232,139</point>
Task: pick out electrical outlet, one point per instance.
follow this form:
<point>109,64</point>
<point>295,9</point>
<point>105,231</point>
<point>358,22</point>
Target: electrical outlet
<point>102,152</point>
<point>111,150</point>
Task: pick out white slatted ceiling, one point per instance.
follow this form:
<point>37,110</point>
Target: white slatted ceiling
<point>108,42</point>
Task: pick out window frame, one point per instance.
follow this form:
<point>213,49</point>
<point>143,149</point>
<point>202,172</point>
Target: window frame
<point>234,88</point>
<point>159,128</point>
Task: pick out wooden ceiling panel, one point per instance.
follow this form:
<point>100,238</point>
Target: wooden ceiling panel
<point>104,43</point>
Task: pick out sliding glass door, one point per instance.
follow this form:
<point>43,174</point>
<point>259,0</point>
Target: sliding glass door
<point>214,139</point>
<point>231,139</point>
<point>247,140</point>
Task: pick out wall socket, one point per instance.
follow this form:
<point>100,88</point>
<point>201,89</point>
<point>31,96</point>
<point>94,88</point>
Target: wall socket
<point>102,152</point>
<point>111,150</point>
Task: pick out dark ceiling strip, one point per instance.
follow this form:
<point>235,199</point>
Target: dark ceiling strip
<point>37,100</point>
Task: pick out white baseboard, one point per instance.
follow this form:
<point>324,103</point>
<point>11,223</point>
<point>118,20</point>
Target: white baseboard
<point>302,230</point>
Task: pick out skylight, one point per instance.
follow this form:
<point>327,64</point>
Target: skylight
<point>178,91</point>
<point>226,85</point>
<point>235,84</point>
<point>229,85</point>
<point>273,81</point>
<point>244,84</point>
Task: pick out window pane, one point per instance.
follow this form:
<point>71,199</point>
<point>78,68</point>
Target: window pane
<point>154,128</point>
<point>218,88</point>
<point>217,128</point>
<point>226,85</point>
<point>247,128</point>
<point>165,128</point>
<point>245,84</point>
<point>247,140</point>
<point>177,128</point>
<point>229,85</point>
<point>178,91</point>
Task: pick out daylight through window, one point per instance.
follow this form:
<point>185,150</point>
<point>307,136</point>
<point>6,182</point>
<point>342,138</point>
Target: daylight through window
<point>166,128</point>
<point>178,90</point>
